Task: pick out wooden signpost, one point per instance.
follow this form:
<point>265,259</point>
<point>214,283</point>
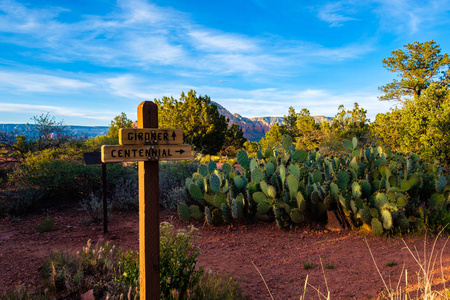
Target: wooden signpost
<point>148,145</point>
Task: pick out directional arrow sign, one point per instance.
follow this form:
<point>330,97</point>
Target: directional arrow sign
<point>116,153</point>
<point>150,136</point>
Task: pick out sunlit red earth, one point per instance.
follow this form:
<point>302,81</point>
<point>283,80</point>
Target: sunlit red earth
<point>280,255</point>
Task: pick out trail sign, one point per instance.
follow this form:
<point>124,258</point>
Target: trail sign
<point>148,145</point>
<point>150,136</point>
<point>116,153</point>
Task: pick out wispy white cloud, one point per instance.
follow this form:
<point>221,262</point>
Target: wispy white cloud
<point>337,13</point>
<point>210,41</point>
<point>33,82</point>
<point>400,16</point>
<point>56,110</point>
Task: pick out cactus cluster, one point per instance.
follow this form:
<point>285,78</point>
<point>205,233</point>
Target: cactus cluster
<point>372,188</point>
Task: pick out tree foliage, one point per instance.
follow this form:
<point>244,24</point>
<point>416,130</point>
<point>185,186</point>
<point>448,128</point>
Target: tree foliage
<point>422,125</point>
<point>420,65</point>
<point>203,127</point>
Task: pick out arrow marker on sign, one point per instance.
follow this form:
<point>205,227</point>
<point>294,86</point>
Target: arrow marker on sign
<point>181,151</point>
<point>174,135</point>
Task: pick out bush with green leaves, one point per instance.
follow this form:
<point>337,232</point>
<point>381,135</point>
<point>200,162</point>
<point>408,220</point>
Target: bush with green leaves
<point>55,177</point>
<point>172,176</point>
<point>369,187</point>
<point>178,260</point>
<point>113,272</point>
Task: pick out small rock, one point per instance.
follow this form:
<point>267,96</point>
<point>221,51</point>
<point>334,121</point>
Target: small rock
<point>89,295</point>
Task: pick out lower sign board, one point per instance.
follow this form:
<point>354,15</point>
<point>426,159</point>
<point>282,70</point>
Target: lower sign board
<point>116,153</point>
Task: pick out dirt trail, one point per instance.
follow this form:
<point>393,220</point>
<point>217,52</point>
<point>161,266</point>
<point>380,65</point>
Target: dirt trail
<point>280,256</point>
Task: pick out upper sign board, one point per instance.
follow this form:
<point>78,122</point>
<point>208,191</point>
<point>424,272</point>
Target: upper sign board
<point>150,136</point>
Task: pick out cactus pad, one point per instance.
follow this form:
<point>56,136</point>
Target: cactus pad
<point>253,164</point>
<point>226,168</point>
<point>334,189</point>
<point>364,215</point>
<point>286,142</point>
<point>356,190</point>
<point>263,208</point>
<point>296,216</point>
<point>348,145</point>
<point>270,168</point>
<point>381,199</point>
<point>271,192</point>
<point>203,170</point>
<point>220,199</point>
<point>239,182</point>
<point>377,228</point>
<point>354,142</point>
<point>294,170</point>
<point>195,191</point>
<point>242,159</point>
<point>212,165</point>
<point>384,170</point>
<point>366,189</point>
<point>215,182</point>
<point>196,213</point>
<point>282,171</point>
<point>259,197</point>
<point>387,219</point>
<point>343,180</point>
<point>301,202</point>
<point>183,211</point>
<point>292,183</point>
<point>354,163</point>
<point>300,155</point>
<point>317,176</point>
<point>268,153</point>
<point>257,175</point>
<point>401,201</point>
<point>441,182</point>
<point>226,212</point>
<point>263,185</point>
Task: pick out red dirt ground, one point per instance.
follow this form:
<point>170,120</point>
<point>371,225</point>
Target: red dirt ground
<point>279,255</point>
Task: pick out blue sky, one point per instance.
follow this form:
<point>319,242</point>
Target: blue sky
<point>87,61</point>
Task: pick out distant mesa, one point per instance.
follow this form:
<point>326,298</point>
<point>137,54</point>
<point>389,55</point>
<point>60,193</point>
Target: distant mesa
<point>255,128</point>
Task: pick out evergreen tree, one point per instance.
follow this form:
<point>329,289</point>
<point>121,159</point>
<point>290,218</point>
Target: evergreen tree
<point>203,127</point>
<point>420,65</point>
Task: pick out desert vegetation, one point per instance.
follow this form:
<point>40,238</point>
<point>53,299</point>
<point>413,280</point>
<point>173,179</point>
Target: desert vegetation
<point>389,177</point>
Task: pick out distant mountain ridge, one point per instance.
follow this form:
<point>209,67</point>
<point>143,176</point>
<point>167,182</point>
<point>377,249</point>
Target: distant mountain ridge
<point>88,131</point>
<point>254,128</point>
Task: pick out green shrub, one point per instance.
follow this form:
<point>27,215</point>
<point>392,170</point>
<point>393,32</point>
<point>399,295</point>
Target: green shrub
<point>45,225</point>
<point>125,195</point>
<point>128,268</point>
<point>24,293</point>
<point>54,177</point>
<point>178,260</point>
<point>214,287</point>
<point>172,176</point>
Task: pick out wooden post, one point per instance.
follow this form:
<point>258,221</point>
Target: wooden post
<point>148,211</point>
